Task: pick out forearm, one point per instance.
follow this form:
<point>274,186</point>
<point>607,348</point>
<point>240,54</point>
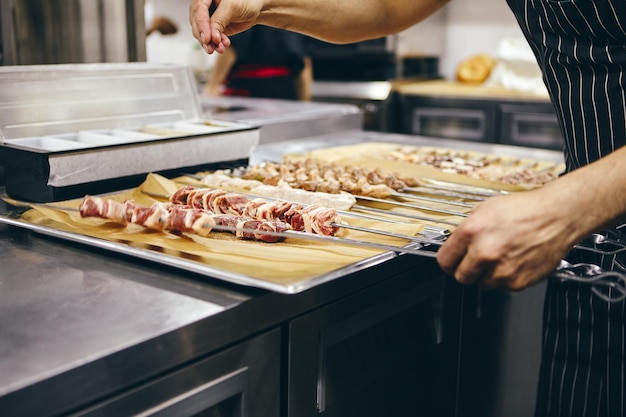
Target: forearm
<point>349,20</point>
<point>333,21</point>
<point>594,196</point>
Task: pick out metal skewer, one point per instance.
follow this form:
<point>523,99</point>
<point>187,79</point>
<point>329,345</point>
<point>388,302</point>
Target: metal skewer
<point>433,191</point>
<point>417,239</point>
<point>462,188</point>
<point>330,239</point>
<point>363,229</point>
<point>406,215</point>
<point>414,206</point>
<point>309,236</point>
<point>431,199</point>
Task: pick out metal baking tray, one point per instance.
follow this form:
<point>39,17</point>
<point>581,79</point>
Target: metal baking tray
<point>12,218</point>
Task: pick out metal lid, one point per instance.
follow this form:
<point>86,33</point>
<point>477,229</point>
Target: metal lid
<point>44,100</point>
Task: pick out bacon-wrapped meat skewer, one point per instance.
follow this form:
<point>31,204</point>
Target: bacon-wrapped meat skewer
<point>213,200</point>
<point>181,218</point>
<point>311,219</point>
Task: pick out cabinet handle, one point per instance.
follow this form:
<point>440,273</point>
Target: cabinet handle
<point>205,396</point>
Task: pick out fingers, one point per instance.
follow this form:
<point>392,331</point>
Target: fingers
<point>450,255</point>
<point>455,260</point>
<point>207,31</point>
<point>462,257</point>
<point>199,19</point>
<point>471,271</point>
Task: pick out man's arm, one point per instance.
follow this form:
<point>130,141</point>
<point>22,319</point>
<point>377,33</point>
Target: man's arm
<point>514,241</point>
<point>333,21</point>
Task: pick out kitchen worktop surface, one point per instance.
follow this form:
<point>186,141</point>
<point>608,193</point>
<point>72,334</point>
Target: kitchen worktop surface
<point>446,88</point>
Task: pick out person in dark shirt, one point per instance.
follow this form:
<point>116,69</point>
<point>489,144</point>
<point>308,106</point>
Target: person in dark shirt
<point>263,62</point>
<point>516,240</point>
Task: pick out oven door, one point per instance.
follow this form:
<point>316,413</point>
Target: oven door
<point>531,125</point>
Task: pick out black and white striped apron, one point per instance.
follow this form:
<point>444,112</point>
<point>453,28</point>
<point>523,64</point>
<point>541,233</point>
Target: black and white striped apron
<point>581,47</point>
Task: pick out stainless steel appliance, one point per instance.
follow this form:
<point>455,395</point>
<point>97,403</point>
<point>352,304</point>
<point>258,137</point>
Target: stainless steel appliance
<point>71,31</point>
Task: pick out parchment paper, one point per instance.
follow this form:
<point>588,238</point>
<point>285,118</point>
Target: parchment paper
<point>371,155</point>
<point>283,263</point>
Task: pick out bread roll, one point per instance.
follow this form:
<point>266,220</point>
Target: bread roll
<point>475,69</point>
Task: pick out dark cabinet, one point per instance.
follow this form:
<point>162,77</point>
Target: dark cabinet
<point>376,353</point>
<point>242,381</point>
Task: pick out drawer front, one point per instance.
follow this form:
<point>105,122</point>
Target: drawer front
<point>241,381</point>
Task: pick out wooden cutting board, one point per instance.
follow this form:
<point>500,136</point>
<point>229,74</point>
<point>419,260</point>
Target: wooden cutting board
<point>445,88</point>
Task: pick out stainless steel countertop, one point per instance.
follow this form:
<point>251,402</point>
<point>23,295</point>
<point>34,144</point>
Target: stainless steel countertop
<point>63,307</point>
<point>281,120</point>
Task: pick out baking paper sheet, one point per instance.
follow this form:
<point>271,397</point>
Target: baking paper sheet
<point>289,264</point>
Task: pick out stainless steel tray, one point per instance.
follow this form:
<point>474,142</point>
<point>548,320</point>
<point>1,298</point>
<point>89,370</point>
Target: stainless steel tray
<point>12,218</point>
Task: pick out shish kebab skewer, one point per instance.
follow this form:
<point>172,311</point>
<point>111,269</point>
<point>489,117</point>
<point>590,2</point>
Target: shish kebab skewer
<point>317,176</point>
<point>313,218</point>
<point>220,201</point>
<point>340,200</point>
<point>185,219</point>
<point>172,217</point>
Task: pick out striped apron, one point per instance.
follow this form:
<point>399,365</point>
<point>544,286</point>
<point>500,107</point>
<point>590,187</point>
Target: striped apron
<point>580,46</point>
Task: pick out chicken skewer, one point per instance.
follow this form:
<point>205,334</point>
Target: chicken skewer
<point>328,177</point>
<point>219,179</point>
<point>339,199</point>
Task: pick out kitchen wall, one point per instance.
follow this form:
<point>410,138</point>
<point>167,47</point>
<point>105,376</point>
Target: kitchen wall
<point>179,48</point>
<point>473,27</point>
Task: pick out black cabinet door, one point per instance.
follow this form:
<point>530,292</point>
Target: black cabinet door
<point>375,353</point>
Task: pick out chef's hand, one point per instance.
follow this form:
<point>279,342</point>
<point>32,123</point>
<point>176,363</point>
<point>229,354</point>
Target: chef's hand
<point>510,241</point>
<point>213,20</point>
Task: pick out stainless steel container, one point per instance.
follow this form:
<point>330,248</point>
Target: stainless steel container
<point>65,128</point>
